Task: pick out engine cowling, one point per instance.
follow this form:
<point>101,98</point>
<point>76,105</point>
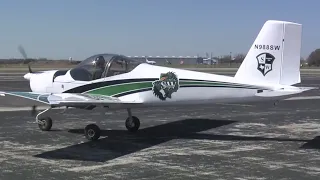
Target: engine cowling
<point>40,81</point>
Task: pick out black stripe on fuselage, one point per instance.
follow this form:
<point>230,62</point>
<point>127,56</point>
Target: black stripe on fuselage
<point>87,87</point>
<point>222,82</point>
<point>218,86</point>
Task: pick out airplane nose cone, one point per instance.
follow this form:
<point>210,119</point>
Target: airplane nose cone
<point>27,76</point>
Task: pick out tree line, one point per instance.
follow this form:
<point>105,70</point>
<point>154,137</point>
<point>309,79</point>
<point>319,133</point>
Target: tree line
<point>312,60</point>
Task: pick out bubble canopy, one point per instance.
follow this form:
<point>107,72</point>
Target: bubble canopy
<point>102,65</point>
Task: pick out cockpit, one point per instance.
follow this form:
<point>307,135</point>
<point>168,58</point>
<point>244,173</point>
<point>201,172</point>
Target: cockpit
<point>103,65</point>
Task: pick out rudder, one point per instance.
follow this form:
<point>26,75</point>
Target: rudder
<point>274,57</point>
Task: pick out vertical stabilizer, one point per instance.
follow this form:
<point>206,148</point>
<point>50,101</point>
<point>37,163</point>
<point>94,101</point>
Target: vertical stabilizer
<point>274,57</point>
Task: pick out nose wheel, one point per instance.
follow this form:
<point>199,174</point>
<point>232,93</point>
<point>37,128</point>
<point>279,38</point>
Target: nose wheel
<point>45,123</point>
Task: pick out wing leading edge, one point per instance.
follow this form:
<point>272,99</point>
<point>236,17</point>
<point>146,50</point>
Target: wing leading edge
<point>70,99</point>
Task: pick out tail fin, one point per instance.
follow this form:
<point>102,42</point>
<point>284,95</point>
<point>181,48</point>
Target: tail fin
<point>274,57</point>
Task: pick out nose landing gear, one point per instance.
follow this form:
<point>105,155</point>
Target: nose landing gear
<point>45,123</point>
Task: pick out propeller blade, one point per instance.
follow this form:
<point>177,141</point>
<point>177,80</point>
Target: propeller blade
<point>30,71</point>
<point>34,110</point>
<point>24,55</point>
<point>23,52</point>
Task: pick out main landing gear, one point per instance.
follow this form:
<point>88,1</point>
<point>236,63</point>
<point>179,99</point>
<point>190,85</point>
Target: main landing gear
<point>92,131</point>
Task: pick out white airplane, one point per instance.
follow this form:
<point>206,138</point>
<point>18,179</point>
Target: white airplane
<point>150,62</point>
<point>268,73</point>
<point>209,60</point>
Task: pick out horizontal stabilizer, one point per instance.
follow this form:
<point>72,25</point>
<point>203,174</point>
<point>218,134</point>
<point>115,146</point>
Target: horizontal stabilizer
<point>307,88</point>
<point>284,92</point>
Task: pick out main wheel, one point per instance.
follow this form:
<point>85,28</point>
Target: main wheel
<point>132,124</point>
<point>92,132</point>
<point>45,124</point>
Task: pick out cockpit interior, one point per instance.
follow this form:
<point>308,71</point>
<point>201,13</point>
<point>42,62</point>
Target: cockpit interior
<point>102,65</point>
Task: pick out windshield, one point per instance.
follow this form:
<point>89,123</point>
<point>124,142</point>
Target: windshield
<point>120,65</point>
<point>102,65</point>
<point>91,68</point>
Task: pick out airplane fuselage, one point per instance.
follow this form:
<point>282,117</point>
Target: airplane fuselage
<point>157,86</point>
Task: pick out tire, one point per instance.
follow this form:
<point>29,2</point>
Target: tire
<point>136,124</point>
<point>92,132</point>
<point>46,124</point>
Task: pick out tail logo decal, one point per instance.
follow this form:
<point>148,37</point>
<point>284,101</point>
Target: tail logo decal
<point>265,61</point>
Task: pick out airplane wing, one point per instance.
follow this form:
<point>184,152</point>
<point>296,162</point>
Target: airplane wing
<point>70,99</point>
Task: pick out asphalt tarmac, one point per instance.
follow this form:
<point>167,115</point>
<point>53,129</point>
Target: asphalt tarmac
<point>255,141</point>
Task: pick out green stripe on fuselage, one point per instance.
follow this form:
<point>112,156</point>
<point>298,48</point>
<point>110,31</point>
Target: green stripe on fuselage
<point>120,88</point>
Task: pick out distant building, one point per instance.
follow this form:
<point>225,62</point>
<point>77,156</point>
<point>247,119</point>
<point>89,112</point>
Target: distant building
<point>167,60</point>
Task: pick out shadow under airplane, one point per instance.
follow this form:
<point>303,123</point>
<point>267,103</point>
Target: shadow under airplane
<point>120,142</point>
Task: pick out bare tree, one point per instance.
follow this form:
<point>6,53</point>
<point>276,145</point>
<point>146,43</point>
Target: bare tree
<point>314,58</point>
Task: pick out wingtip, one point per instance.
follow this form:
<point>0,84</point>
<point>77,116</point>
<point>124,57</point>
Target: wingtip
<point>308,88</point>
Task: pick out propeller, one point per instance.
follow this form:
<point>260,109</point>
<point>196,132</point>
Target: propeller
<point>34,110</point>
<point>24,55</point>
